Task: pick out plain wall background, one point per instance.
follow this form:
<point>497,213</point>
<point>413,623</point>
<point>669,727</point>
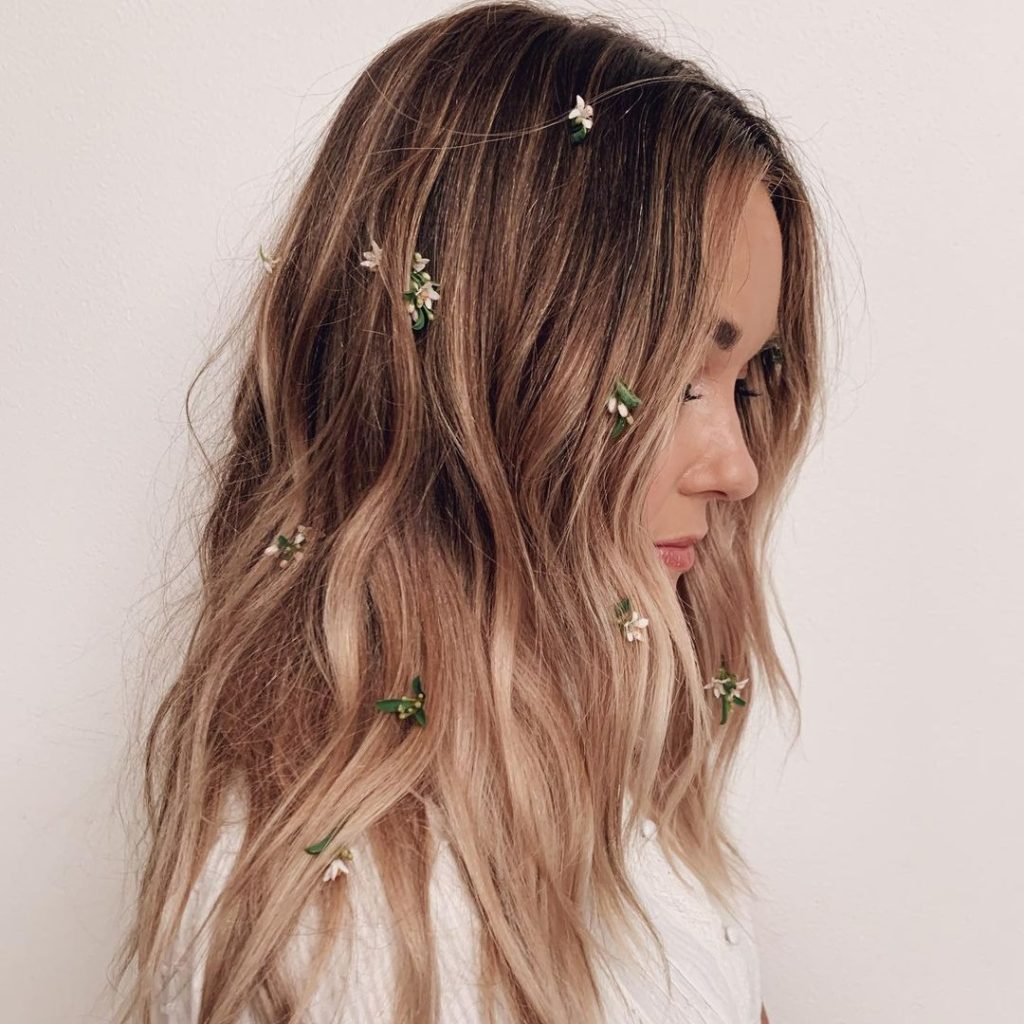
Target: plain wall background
<point>145,148</point>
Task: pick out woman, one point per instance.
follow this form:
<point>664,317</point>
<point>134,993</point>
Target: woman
<point>452,733</point>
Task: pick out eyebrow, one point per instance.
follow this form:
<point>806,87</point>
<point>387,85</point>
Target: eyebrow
<point>727,334</point>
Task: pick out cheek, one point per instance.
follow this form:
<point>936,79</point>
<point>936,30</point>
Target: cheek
<point>666,472</point>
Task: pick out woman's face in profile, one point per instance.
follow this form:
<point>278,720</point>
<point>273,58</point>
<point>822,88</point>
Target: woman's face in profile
<point>706,458</point>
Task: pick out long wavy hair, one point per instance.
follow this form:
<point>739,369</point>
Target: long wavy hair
<point>471,520</point>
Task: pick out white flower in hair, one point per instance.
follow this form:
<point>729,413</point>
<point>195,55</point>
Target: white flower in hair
<point>422,292</point>
<point>267,260</point>
<point>371,258</point>
<point>582,113</point>
<point>619,408</point>
<point>424,296</point>
<point>335,868</point>
<point>725,687</point>
<point>630,620</point>
<point>633,625</point>
<point>287,551</point>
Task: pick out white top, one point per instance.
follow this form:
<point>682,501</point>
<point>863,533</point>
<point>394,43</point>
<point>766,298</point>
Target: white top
<point>713,959</point>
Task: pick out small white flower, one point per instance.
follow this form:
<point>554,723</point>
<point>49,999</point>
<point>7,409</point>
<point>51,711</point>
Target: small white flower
<point>287,550</point>
<point>426,293</point>
<point>371,258</point>
<point>267,260</point>
<point>419,262</point>
<point>633,625</point>
<point>617,408</point>
<point>335,868</point>
<point>717,687</point>
<point>582,113</point>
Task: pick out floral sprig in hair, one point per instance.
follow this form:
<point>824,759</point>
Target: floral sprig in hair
<point>582,118</point>
<point>422,293</point>
<point>630,620</point>
<point>287,550</point>
<point>338,865</point>
<point>371,258</point>
<point>267,260</point>
<point>405,707</point>
<point>621,404</point>
<point>726,686</point>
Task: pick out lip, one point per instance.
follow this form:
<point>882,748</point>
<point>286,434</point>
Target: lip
<point>677,556</point>
<point>679,542</point>
<point>679,553</point>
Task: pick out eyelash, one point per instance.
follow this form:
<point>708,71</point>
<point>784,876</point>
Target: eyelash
<point>742,391</point>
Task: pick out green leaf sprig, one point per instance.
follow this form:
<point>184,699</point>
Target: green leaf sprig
<point>630,620</point>
<point>406,707</point>
<point>422,293</point>
<point>621,405</point>
<point>339,861</point>
<point>287,550</point>
<point>726,686</point>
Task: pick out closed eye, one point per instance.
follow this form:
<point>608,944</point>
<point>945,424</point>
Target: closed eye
<point>741,391</point>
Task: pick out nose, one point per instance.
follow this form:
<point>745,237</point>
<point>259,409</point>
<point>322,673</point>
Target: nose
<point>725,466</point>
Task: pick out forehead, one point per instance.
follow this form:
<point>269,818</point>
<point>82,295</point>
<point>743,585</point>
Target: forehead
<point>748,306</point>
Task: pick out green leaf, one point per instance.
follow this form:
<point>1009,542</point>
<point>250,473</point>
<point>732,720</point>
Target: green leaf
<point>622,608</point>
<point>626,396</point>
<point>391,704</point>
<point>739,700</point>
<point>420,716</point>
<point>618,427</point>
<point>321,846</point>
<point>417,686</point>
<point>725,711</point>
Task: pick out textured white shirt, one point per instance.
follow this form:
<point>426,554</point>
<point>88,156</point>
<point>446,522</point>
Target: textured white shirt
<point>714,967</point>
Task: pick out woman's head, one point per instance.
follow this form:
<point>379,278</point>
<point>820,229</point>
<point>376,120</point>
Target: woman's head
<point>471,520</point>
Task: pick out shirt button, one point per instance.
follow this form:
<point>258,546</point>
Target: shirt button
<point>648,828</point>
<point>732,934</point>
